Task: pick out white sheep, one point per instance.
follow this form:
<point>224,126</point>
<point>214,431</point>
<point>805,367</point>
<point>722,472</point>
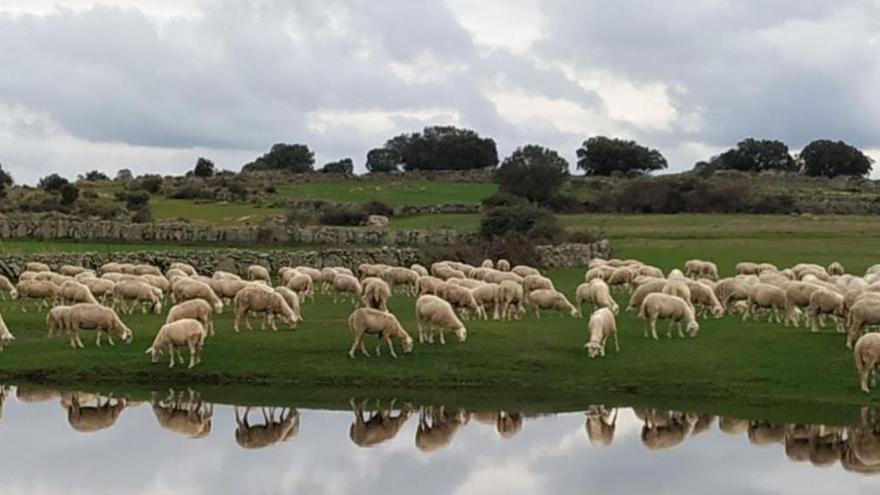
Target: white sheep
<point>6,337</point>
<point>867,358</point>
<point>219,274</point>
<point>400,276</point>
<point>186,289</point>
<point>826,302</point>
<point>536,281</point>
<point>667,307</point>
<point>76,292</point>
<point>6,287</point>
<point>865,312</point>
<point>509,300</point>
<point>377,292</point>
<point>184,267</point>
<point>486,296</point>
<point>638,296</point>
<point>34,266</point>
<point>835,268</point>
<point>42,291</point>
<point>601,325</point>
<point>172,336</point>
<point>432,311</point>
<point>302,284</point>
<point>194,309</point>
<point>257,272</point>
<point>461,298</point>
<point>428,284</point>
<point>346,284</point>
<point>385,325</point>
<point>255,298</point>
<point>766,297</point>
<point>421,270</point>
<point>226,289</point>
<point>95,317</point>
<point>550,300</point>
<point>57,320</point>
<point>503,265</point>
<point>596,293</point>
<point>292,300</point>
<point>704,298</point>
<point>525,270</point>
<point>137,292</point>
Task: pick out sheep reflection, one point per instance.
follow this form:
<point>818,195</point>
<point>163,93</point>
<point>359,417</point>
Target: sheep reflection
<point>665,429</point>
<point>5,390</point>
<point>279,425</point>
<point>380,427</point>
<point>437,427</point>
<point>88,413</point>
<point>184,415</point>
<point>600,425</point>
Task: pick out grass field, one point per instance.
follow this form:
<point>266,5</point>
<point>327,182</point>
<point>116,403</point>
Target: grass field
<point>401,192</point>
<point>223,214</point>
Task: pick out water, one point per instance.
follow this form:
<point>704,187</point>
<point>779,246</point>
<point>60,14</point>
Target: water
<point>64,443</point>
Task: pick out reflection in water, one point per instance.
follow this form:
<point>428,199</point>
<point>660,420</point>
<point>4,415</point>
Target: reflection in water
<point>279,425</point>
<point>549,454</point>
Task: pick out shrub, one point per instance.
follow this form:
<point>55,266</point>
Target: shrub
<point>136,200</point>
<point>584,236</point>
<point>560,203</point>
<point>204,168</point>
<point>377,208</point>
<point>343,216</point>
<point>533,172</point>
<point>344,166</point>
<point>151,183</point>
<point>52,183</point>
<point>502,198</point>
<point>192,190</point>
<point>142,215</point>
<point>521,218</point>
<point>69,194</point>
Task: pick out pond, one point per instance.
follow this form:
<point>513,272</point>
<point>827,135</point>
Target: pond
<point>82,443</point>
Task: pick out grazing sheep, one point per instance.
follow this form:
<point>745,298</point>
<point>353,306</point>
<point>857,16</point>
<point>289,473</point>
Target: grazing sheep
<point>535,282</point>
<point>157,281</point>
<point>184,267</point>
<point>377,292</point>
<point>262,300</point>
<point>95,317</point>
<point>524,271</point>
<point>346,284</point>
<point>385,325</point>
<point>766,297</point>
<point>498,277</point>
<point>292,300</point>
<point>642,291</point>
<point>826,302</point>
<point>445,272</point>
<point>398,275</point>
<point>551,300</point>
<point>219,274</point>
<point>597,294</point>
<point>273,431</point>
<point>678,287</point>
<point>6,336</point>
<point>186,289</point>
<point>835,268</point>
<point>34,266</point>
<point>257,272</point>
<point>730,290</point>
<point>701,269</point>
<point>226,289</point>
<point>462,299</point>
<point>667,307</point>
<point>621,278</point>
<point>486,296</point>
<point>704,298</point>
<point>672,429</point>
<point>301,284</point>
<point>75,292</point>
<point>432,311</point>
<point>602,272</point>
<point>6,287</point>
<point>746,268</point>
<point>57,320</point>
<point>601,325</point>
<point>865,312</point>
<point>194,309</point>
<point>137,292</point>
<point>40,291</point>
<point>144,269</point>
<point>503,265</point>
<point>172,336</point>
<point>328,275</point>
<point>71,270</point>
<point>797,295</point>
<point>421,270</point>
<point>509,300</point>
<point>428,284</point>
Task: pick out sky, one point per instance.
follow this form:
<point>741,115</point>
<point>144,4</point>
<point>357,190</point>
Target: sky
<point>151,85</point>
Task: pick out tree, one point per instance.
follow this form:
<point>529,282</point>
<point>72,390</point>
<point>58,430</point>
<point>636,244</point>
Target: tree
<point>124,175</point>
<point>296,158</point>
<point>600,155</point>
<point>532,172</point>
<point>383,160</point>
<point>829,159</point>
<point>344,166</point>
<point>52,183</point>
<point>443,148</point>
<point>136,200</point>
<point>5,181</point>
<point>204,168</point>
<point>526,219</point>
<point>69,194</point>
<point>753,155</point>
<point>94,176</point>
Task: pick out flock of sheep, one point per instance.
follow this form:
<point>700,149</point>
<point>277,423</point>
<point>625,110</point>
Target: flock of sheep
<point>448,293</point>
<point>857,448</point>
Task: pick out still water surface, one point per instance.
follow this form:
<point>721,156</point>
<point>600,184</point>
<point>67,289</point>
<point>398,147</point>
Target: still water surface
<point>77,443</point>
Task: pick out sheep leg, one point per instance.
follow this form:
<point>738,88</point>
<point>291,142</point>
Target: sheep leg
<point>171,348</point>
<point>179,355</point>
<point>271,318</point>
<point>363,347</point>
<point>110,340</point>
<point>654,329</point>
<point>236,320</point>
<point>98,339</point>
<point>192,354</point>
<point>442,338</point>
<point>354,345</point>
<point>247,319</point>
<point>421,333</point>
<point>616,342</point>
<point>390,347</point>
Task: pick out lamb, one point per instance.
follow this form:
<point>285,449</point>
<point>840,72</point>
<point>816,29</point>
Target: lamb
<point>262,300</point>
<point>172,336</point>
<point>601,325</point>
<point>534,282</point>
<point>257,272</point>
<point>346,284</point>
<point>552,300</point>
<point>6,336</point>
<point>865,312</point>
<point>673,308</point>
<point>97,317</point>
<point>377,292</point>
<point>75,292</point>
<point>638,296</point>
<point>462,299</point>
<point>194,309</point>
<point>186,289</point>
<point>137,292</point>
<point>385,325</point>
<point>57,320</point>
<point>38,290</point>
<point>485,296</point>
<point>826,302</point>
<point>766,297</point>
<point>432,311</point>
<point>509,300</point>
<point>596,293</point>
<point>398,275</point>
<point>292,300</point>
<point>867,358</point>
<point>6,287</point>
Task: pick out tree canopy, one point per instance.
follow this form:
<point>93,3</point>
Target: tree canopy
<point>296,158</point>
<point>439,148</point>
<point>532,172</point>
<point>383,160</point>
<point>95,176</point>
<point>204,168</point>
<point>600,155</point>
<point>344,166</point>
<point>827,158</point>
<point>754,155</point>
<point>5,181</point>
<point>52,183</point>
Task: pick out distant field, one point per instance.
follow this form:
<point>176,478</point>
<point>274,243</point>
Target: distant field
<point>215,213</point>
<point>399,192</point>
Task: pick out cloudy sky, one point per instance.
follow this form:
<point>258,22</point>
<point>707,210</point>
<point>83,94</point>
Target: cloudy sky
<point>153,84</point>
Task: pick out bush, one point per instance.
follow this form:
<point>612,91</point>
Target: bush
<point>151,183</point>
<point>560,203</point>
<point>343,217</point>
<point>377,208</point>
<point>98,209</point>
<point>204,168</point>
<point>524,219</point>
<point>533,172</point>
<point>136,200</point>
<point>142,215</point>
<point>192,190</point>
<point>344,166</point>
<point>502,198</point>
<point>52,183</point>
<point>584,236</point>
<point>69,194</point>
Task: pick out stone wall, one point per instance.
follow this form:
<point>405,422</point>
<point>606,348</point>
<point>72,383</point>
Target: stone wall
<point>237,260</point>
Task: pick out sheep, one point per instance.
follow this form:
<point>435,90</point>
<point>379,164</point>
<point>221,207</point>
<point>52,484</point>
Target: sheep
<point>524,271</point>
<point>6,287</point>
<point>621,278</point>
<point>137,292</point>
<point>172,336</point>
<point>445,272</point>
<point>76,292</point>
<point>194,309</point>
<point>498,277</point>
<point>730,290</point>
<point>398,275</point>
<point>89,419</point>
<point>601,325</point>
<point>865,312</point>
<point>274,431</point>
<point>71,270</point>
<point>461,298</point>
<point>314,273</point>
<point>603,272</point>
<point>186,289</point>
<point>509,300</point>
<point>826,302</point>
<point>432,311</point>
<point>487,263</point>
<point>766,297</point>
<point>600,425</point>
<point>676,274</point>
<point>867,358</point>
<point>226,289</point>
<point>377,292</point>
<point>184,267</point>
<point>428,284</point>
<point>534,282</point>
<point>486,295</point>
<point>365,270</point>
<point>701,269</point>
<point>421,270</point>
<point>502,265</point>
<point>40,291</point>
<point>442,428</point>
<point>596,293</point>
<point>257,272</point>
<point>190,418</point>
<point>385,325</point>
<point>552,300</point>
<point>328,275</point>
<point>262,300</point>
<point>746,268</point>
<point>174,273</point>
<point>346,284</point>
<point>157,281</point>
<point>703,297</point>
<point>678,287</point>
<point>144,269</point>
<point>57,320</point>
<point>94,316</point>
<point>34,266</point>
<point>470,283</point>
<point>6,336</point>
<point>292,300</point>
<point>673,308</point>
<point>301,284</point>
<point>638,296</point>
<point>835,268</point>
<point>797,295</point>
